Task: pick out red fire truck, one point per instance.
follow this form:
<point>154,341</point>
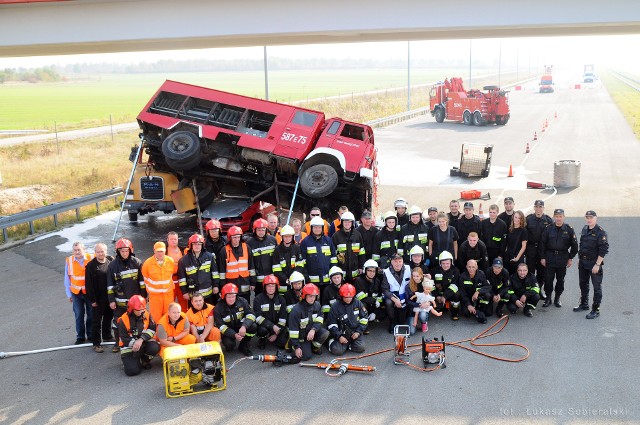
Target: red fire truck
<point>449,100</point>
<point>228,143</point>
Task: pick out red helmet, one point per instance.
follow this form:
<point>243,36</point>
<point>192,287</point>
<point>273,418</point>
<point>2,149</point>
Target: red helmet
<point>271,279</point>
<point>347,290</point>
<point>260,223</point>
<point>195,238</point>
<point>234,230</point>
<point>137,302</point>
<point>310,289</point>
<point>212,224</point>
<point>229,288</point>
<point>124,243</point>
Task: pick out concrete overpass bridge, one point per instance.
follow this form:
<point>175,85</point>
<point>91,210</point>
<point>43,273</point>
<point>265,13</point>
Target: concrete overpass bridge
<point>54,27</point>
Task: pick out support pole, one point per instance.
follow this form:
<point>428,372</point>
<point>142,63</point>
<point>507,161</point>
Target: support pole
<point>124,198</point>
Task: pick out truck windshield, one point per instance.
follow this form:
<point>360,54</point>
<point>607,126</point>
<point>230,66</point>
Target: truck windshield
<point>546,82</point>
<point>306,119</point>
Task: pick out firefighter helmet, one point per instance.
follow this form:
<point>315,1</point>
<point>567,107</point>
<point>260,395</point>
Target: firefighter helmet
<point>234,231</point>
<point>316,221</point>
<point>195,238</point>
<point>416,250</point>
<point>296,276</point>
<point>347,215</point>
<point>260,223</point>
<point>271,279</point>
<point>287,231</point>
<point>347,290</point>
<point>445,255</point>
<point>212,224</point>
<point>334,271</point>
<point>136,302</point>
<point>227,289</point>
<point>124,243</point>
<point>370,264</point>
<point>390,214</point>
<point>400,203</point>
<point>415,210</point>
<point>310,289</point>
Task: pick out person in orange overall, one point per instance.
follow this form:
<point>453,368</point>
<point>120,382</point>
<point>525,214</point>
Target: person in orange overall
<point>173,329</point>
<point>157,272</point>
<point>176,252</point>
<point>200,317</point>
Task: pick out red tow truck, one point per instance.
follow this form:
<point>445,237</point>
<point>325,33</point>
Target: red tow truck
<point>222,143</point>
<point>449,100</point>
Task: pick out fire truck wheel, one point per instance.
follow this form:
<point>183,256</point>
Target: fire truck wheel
<point>182,150</point>
<point>477,119</point>
<point>439,115</point>
<point>466,118</point>
<point>319,180</point>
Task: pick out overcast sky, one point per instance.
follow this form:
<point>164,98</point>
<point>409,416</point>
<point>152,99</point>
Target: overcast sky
<point>618,52</point>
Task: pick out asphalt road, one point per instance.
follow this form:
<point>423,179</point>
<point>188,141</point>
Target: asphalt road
<point>578,371</point>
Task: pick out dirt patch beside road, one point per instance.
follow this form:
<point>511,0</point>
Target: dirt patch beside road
<point>23,198</point>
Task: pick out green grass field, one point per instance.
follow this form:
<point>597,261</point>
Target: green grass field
<point>89,102</point>
<point>626,98</point>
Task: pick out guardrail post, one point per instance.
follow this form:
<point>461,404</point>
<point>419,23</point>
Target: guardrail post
<point>5,235</point>
<point>78,214</point>
<point>98,207</point>
<point>55,220</point>
<point>32,229</point>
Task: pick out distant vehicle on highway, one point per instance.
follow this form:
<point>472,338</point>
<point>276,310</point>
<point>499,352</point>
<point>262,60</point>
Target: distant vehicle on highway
<point>589,75</point>
<point>546,84</point>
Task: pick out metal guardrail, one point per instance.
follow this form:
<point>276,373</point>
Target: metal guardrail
<point>30,216</point>
<point>626,80</point>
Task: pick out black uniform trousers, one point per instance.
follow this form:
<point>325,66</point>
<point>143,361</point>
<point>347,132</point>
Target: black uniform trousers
<point>133,361</point>
<point>558,273</point>
<point>229,342</point>
<point>584,276</point>
<point>101,324</point>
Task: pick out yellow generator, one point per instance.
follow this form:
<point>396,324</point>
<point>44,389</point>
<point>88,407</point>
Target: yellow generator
<point>193,369</point>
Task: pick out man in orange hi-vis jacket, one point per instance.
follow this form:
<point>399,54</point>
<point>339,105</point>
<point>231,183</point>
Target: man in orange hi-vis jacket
<point>158,279</point>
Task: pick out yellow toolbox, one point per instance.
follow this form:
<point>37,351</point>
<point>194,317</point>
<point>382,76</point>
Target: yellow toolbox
<point>193,369</point>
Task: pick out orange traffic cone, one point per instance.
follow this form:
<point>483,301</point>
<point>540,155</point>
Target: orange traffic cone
<point>546,122</point>
<point>543,127</point>
<point>555,115</point>
<point>535,136</point>
<point>510,171</point>
<point>527,150</point>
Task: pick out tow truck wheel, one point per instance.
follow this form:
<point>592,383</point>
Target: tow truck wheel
<point>466,118</point>
<point>319,180</point>
<point>477,119</point>
<point>182,150</point>
<point>133,216</point>
<point>439,115</point>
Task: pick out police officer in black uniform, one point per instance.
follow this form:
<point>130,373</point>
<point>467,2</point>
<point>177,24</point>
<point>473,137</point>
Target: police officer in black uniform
<point>536,223</point>
<point>558,246</point>
<point>594,245</point>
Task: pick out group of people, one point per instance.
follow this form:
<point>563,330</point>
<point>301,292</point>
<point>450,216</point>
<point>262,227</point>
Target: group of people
<point>304,287</point>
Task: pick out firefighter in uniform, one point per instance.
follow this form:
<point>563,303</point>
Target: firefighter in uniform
<point>198,271</point>
<point>493,232</point>
<point>594,245</point>
<point>446,285</point>
<point>395,280</point>
<point>200,316</point>
<point>318,254</point>
<point>368,231</point>
<point>350,252</point>
<point>558,246</point>
<point>214,242</point>
<point>137,330</point>
<point>286,258</point>
<point>261,246</point>
<point>330,294</point>
<point>454,212</point>
<point>536,223</point>
<point>475,293</point>
<point>368,290</point>
<point>414,233</point>
<point>123,281</point>
<point>306,330</point>
<point>507,214</point>
<point>386,241</point>
<point>416,259</point>
<point>174,329</point>
<point>523,291</point>
<point>176,252</point>
<point>235,319</point>
<point>473,249</point>
<point>270,309</point>
<point>467,223</point>
<point>74,276</point>
<point>294,293</point>
<point>157,271</point>
<point>401,205</point>
<point>235,264</point>
<point>442,237</point>
<point>498,277</point>
<point>347,321</point>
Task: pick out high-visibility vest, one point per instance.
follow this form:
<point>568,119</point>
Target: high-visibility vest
<point>158,279</point>
<point>200,318</point>
<point>170,329</point>
<point>76,273</point>
<point>237,267</point>
<point>127,324</point>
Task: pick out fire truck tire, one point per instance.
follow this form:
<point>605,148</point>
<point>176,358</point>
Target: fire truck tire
<point>182,150</point>
<point>477,119</point>
<point>466,118</point>
<point>133,216</point>
<point>439,114</point>
<point>319,180</point>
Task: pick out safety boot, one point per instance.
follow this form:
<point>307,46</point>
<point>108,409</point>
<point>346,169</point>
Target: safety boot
<point>243,347</point>
<point>500,311</point>
<point>543,296</point>
<point>556,301</point>
<point>262,343</point>
<point>595,312</point>
<point>581,307</point>
<point>547,302</point>
<point>528,312</point>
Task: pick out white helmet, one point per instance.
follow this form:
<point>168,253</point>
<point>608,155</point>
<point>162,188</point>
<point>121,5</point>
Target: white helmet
<point>445,255</point>
<point>334,271</point>
<point>370,264</point>
<point>316,221</point>
<point>347,215</point>
<point>390,214</point>
<point>287,231</point>
<point>400,203</point>
<point>415,210</point>
<point>296,276</point>
<point>416,250</point>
